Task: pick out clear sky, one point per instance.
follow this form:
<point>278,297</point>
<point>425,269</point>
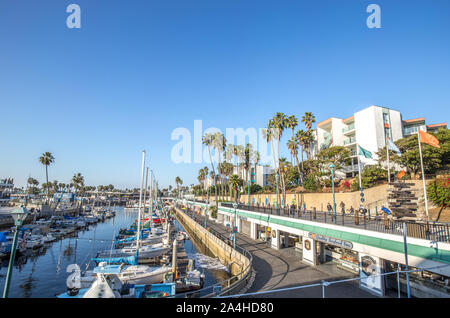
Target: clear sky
<point>97,96</point>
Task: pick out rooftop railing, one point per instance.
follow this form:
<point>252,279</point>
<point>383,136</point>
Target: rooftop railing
<point>372,219</point>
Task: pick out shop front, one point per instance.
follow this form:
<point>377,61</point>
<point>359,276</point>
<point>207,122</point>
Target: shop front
<point>263,233</point>
<point>245,226</point>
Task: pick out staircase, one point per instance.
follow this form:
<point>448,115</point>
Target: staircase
<point>403,201</point>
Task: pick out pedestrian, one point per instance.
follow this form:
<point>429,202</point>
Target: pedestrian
<point>304,207</point>
<point>342,205</point>
<point>352,210</point>
<point>329,208</point>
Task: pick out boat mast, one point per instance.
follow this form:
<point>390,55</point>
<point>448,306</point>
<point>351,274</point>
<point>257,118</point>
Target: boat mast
<point>140,205</point>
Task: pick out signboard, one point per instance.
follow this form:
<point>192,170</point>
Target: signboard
<point>309,251</point>
<point>331,240</point>
<point>369,272</point>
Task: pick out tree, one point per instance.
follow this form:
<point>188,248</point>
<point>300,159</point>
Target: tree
<point>439,193</point>
<point>235,182</point>
<point>369,176</point>
<point>78,182</point>
<point>46,159</point>
<point>208,142</point>
<point>219,143</point>
<point>308,119</point>
<point>433,158</point>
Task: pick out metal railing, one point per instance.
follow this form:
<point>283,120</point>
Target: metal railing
<point>370,220</point>
<point>400,275</point>
<point>228,286</point>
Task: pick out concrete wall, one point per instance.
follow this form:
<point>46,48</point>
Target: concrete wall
<point>374,197</point>
<point>235,261</point>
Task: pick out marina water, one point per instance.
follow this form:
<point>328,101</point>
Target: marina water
<point>42,272</point>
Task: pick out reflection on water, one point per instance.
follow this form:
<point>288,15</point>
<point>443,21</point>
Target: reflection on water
<point>42,272</point>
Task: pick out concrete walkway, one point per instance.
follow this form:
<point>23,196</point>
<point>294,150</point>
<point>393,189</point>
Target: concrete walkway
<point>283,268</point>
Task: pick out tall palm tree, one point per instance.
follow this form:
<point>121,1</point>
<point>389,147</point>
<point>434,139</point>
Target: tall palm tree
<point>293,147</point>
<point>292,122</point>
<point>178,182</point>
<point>219,143</point>
<point>208,140</point>
<point>256,158</point>
<point>279,122</point>
<point>308,119</point>
<point>46,159</point>
<point>248,151</point>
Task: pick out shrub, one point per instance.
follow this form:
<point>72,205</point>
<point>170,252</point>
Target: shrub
<point>311,183</point>
<point>439,191</point>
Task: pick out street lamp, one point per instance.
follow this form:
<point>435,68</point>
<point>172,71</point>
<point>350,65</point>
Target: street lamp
<point>234,225</point>
<point>206,211</point>
<point>332,167</point>
<point>248,184</point>
<point>19,216</point>
<point>276,181</point>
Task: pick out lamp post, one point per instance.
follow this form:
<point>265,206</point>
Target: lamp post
<point>248,185</point>
<point>234,225</point>
<point>206,211</point>
<point>276,181</point>
<point>332,167</point>
<point>19,216</point>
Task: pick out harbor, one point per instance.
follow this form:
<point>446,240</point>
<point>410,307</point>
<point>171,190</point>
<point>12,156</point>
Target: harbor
<point>42,271</point>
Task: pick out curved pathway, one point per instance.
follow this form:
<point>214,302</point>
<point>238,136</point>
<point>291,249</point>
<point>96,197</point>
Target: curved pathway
<point>277,269</point>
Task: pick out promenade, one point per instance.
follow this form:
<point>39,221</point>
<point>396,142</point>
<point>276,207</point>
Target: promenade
<point>277,269</point>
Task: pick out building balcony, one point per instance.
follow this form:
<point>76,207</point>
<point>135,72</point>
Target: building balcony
<point>349,141</point>
<point>348,128</point>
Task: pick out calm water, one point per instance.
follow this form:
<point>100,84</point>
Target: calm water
<point>42,273</point>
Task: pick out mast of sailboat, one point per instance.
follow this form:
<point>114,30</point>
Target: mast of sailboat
<point>150,205</point>
<point>140,206</point>
<point>145,188</point>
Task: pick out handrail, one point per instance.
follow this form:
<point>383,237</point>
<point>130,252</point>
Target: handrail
<point>232,283</point>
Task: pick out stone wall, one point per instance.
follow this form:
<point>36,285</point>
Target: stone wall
<point>374,198</point>
<point>235,261</point>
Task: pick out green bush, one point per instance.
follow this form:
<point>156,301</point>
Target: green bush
<point>311,183</point>
<point>213,212</point>
<point>439,191</point>
<point>369,176</point>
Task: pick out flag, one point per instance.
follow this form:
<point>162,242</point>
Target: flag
<point>429,139</point>
<point>364,152</point>
<point>401,174</point>
<point>393,147</point>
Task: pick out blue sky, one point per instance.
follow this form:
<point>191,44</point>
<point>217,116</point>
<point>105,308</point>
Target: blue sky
<point>97,96</point>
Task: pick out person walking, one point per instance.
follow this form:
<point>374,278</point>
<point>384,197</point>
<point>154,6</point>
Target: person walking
<point>329,208</point>
<point>304,207</point>
<point>342,205</point>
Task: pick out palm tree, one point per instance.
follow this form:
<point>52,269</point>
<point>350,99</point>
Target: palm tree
<point>208,141</point>
<point>248,151</point>
<point>279,122</point>
<point>219,143</point>
<point>78,182</point>
<point>291,123</point>
<point>256,158</point>
<point>46,159</point>
<point>293,147</point>
<point>61,186</point>
<point>178,181</point>
<point>235,182</point>
<point>308,119</point>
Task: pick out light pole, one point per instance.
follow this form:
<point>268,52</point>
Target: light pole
<point>276,181</point>
<point>234,225</point>
<point>206,211</point>
<point>19,216</point>
<point>248,185</point>
<point>332,167</point>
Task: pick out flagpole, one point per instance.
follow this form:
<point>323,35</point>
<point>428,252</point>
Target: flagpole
<point>388,166</point>
<point>359,168</point>
<point>423,177</point>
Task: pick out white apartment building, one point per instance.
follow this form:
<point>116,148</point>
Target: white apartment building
<point>368,128</point>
